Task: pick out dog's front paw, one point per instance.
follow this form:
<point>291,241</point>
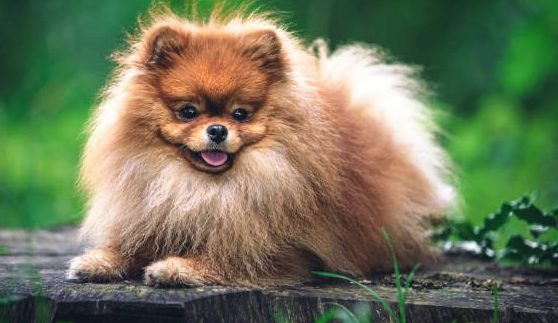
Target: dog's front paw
<point>175,272</point>
<point>97,266</point>
<point>167,273</point>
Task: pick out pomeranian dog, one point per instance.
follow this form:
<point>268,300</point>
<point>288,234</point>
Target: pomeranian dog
<point>225,152</point>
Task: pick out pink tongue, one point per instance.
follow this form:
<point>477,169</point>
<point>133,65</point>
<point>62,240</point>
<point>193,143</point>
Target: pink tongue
<point>214,158</point>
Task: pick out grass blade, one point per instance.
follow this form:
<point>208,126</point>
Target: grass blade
<point>400,296</point>
<point>496,305</point>
<point>409,281</point>
<point>375,295</point>
<point>350,315</point>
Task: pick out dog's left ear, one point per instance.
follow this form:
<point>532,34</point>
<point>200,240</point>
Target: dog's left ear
<point>162,46</point>
<point>264,47</point>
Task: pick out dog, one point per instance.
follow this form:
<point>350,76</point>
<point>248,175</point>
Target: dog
<point>225,152</point>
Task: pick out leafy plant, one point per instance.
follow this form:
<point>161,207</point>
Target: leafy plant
<point>402,291</point>
<point>530,250</point>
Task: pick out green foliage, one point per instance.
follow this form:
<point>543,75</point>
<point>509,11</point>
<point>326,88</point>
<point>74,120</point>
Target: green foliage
<point>535,245</point>
<point>493,64</point>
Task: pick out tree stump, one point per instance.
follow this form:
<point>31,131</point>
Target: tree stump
<point>33,288</point>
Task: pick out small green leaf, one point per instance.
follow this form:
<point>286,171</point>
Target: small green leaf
<point>327,316</point>
<point>537,230</point>
<point>496,220</point>
<point>465,231</point>
<point>518,243</point>
<point>532,215</point>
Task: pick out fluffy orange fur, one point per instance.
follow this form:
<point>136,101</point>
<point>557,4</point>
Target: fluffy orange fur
<point>337,146</point>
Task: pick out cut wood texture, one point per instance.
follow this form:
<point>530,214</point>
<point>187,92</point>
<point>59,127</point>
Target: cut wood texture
<point>33,288</point>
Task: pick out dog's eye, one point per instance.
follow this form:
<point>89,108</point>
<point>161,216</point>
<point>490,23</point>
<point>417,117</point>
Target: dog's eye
<point>188,112</point>
<point>240,114</point>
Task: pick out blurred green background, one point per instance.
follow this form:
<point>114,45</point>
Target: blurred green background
<point>493,64</point>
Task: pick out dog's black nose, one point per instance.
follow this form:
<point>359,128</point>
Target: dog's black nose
<point>217,133</point>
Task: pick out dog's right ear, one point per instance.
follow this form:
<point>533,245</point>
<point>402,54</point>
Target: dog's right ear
<point>163,45</point>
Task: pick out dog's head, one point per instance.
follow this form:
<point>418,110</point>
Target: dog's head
<point>210,89</point>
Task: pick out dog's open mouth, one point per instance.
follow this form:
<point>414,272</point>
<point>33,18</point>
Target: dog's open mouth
<point>214,158</point>
<point>210,160</point>
<point>213,161</point>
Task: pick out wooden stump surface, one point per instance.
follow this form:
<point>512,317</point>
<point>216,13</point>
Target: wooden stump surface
<point>33,288</point>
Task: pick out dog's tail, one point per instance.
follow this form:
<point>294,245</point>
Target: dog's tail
<point>392,94</point>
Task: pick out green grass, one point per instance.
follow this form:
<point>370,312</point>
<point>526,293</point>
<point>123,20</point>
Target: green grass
<point>342,313</point>
<point>401,290</point>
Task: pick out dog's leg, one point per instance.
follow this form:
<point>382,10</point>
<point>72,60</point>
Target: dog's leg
<point>177,271</point>
<point>98,265</point>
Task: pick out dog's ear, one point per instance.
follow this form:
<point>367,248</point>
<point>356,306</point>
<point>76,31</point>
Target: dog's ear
<point>163,45</point>
<point>264,47</point>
